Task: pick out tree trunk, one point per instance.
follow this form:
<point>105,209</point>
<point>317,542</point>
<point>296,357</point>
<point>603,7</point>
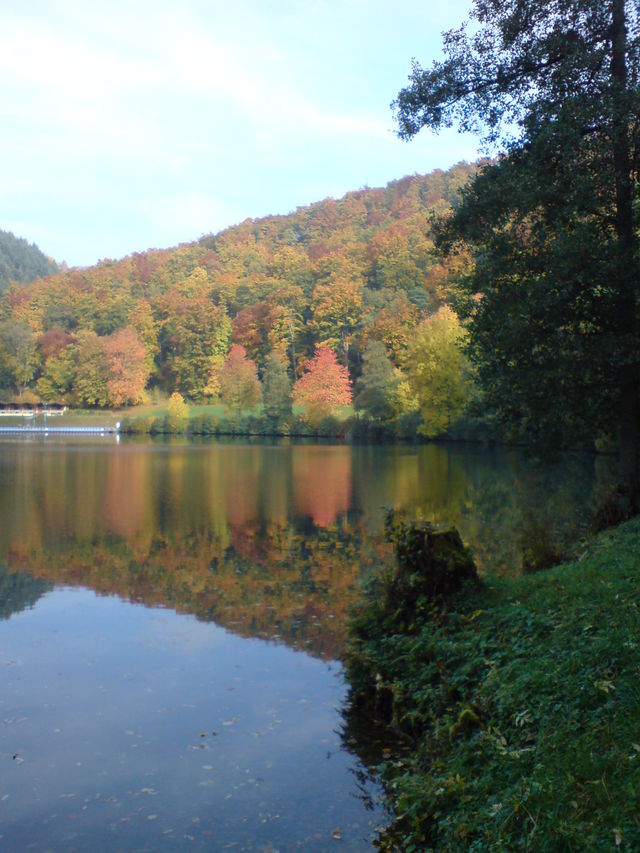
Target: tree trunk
<point>629,374</point>
<point>294,363</point>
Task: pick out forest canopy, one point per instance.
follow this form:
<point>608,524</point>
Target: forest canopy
<point>339,274</point>
<point>21,261</point>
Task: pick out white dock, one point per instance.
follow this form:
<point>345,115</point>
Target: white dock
<point>60,430</point>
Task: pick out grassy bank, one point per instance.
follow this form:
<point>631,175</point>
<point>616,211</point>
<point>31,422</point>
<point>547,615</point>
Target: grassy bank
<point>519,702</point>
<point>215,419</point>
<point>152,418</point>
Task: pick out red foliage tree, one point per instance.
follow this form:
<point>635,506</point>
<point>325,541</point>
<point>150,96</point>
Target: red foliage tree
<point>324,387</point>
<point>52,343</point>
<point>249,329</point>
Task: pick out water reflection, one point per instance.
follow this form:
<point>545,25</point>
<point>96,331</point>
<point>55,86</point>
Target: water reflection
<point>132,728</point>
<point>19,591</point>
<point>268,540</point>
<point>135,727</point>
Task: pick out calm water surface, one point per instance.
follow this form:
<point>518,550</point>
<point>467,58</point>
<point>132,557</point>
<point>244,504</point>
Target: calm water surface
<point>172,617</point>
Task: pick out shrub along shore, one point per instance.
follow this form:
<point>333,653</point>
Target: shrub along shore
<point>514,703</point>
<point>203,423</point>
<point>349,427</point>
<point>213,420</point>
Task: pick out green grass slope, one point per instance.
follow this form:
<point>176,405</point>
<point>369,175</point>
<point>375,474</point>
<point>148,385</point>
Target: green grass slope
<point>521,700</point>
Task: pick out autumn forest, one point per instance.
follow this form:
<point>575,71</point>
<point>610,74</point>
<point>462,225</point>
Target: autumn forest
<point>348,290</point>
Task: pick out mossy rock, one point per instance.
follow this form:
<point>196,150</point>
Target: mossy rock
<point>431,561</point>
<point>432,565</point>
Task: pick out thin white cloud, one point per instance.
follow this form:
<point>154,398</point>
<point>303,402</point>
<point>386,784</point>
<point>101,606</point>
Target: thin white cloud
<point>116,110</point>
<point>84,89</point>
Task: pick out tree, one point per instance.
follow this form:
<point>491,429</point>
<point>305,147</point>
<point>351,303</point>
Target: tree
<point>285,320</point>
<point>195,333</point>
<point>91,374</point>
<point>337,307</point>
<point>59,315</point>
<point>276,393</point>
<point>177,413</point>
<point>142,322</point>
<point>558,84</point>
<point>56,383</point>
<point>20,261</point>
<point>324,386</point>
<point>439,371</point>
<point>19,352</point>
<point>53,342</point>
<point>239,384</point>
<point>391,319</point>
<point>376,389</point>
<point>126,366</point>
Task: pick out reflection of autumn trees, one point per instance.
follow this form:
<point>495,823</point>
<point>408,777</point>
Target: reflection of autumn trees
<point>264,539</point>
<point>239,493</point>
<point>124,503</point>
<point>278,581</point>
<point>322,480</point>
<point>207,530</point>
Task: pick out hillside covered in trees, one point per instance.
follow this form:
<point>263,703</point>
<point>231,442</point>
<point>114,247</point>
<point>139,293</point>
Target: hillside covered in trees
<point>355,276</point>
<point>21,261</point>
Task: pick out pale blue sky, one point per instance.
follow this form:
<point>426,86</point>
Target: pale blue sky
<point>131,125</point>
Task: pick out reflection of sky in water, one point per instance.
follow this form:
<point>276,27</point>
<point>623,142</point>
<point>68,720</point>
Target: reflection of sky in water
<point>135,728</point>
<point>110,708</point>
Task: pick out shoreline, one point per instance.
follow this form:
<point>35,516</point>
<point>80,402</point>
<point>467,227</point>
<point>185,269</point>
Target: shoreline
<point>519,702</point>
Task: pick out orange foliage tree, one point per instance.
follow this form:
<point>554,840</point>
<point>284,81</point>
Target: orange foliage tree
<point>239,384</point>
<point>126,364</point>
<point>324,387</point>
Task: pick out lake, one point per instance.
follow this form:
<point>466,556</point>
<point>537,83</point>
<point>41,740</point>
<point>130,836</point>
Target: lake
<point>172,617</point>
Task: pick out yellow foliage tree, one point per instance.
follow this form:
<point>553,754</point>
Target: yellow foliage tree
<point>177,412</point>
<point>439,371</point>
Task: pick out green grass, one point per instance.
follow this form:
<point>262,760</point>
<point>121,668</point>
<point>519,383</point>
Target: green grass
<point>521,701</point>
<point>77,417</point>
